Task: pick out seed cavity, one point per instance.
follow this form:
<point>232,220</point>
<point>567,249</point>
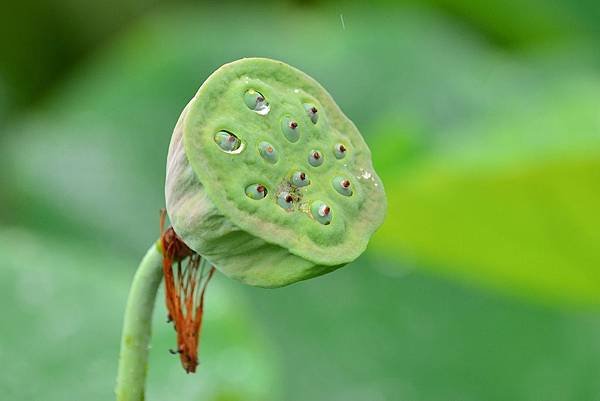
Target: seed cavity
<point>285,200</point>
<point>228,142</point>
<point>300,179</point>
<point>256,102</point>
<point>340,150</point>
<point>312,112</point>
<point>290,129</point>
<point>321,212</point>
<point>256,191</point>
<point>315,158</point>
<point>342,185</point>
<point>268,152</point>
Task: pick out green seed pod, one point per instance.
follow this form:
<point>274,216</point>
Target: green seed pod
<point>217,196</point>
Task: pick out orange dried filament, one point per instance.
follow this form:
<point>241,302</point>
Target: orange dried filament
<point>186,279</point>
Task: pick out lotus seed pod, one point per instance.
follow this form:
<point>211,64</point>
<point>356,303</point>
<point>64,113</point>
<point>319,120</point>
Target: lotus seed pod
<point>261,220</point>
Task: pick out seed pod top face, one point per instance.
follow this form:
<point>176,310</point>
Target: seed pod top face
<point>259,123</point>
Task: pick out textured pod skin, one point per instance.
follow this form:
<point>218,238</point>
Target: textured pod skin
<point>257,241</point>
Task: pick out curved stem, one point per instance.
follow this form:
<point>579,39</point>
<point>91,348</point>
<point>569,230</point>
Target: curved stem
<point>137,326</point>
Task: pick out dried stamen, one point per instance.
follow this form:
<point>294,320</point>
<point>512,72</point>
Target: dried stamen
<point>186,277</point>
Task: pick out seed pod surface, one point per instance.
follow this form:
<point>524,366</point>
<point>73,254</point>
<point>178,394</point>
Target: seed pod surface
<point>219,156</point>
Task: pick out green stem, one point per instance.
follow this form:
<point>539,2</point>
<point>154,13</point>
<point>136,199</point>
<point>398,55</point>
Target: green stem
<point>137,326</point>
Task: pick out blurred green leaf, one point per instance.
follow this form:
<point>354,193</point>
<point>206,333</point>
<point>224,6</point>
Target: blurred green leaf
<point>63,307</point>
<point>514,207</point>
<point>373,332</point>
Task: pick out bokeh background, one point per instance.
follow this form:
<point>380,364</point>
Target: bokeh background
<point>484,121</point>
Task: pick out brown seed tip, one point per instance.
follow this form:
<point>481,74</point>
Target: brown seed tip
<point>313,110</point>
<point>260,99</point>
<point>302,176</point>
<point>326,210</point>
<point>342,148</point>
<point>316,155</point>
<point>288,198</point>
<point>270,149</point>
<point>345,183</point>
<point>293,125</point>
<point>260,188</point>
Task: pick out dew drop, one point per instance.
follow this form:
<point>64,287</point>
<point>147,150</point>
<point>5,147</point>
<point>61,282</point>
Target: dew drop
<point>256,191</point>
<point>256,102</point>
<point>228,142</point>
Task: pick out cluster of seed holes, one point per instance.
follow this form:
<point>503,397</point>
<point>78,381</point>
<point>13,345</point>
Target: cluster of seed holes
<point>230,143</point>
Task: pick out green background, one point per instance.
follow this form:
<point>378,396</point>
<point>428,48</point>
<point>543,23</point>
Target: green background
<point>484,121</point>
